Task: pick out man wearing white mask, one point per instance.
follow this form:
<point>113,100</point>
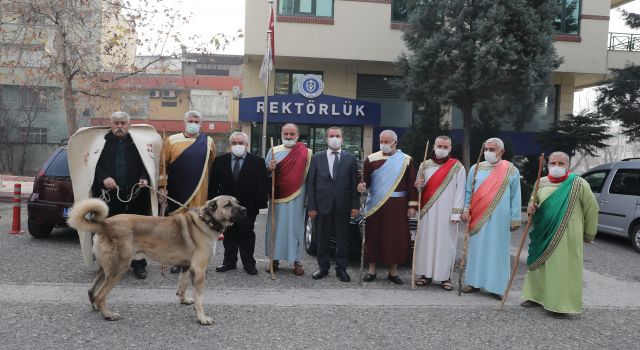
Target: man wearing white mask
<point>242,175</point>
<point>185,164</point>
<point>440,210</point>
<point>290,166</point>
<point>565,214</point>
<point>390,177</point>
<point>332,199</point>
<point>494,212</point>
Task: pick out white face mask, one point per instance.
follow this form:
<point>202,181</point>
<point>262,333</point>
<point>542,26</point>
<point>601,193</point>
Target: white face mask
<point>386,148</point>
<point>192,128</point>
<point>289,143</point>
<point>335,142</point>
<point>557,171</point>
<point>491,157</point>
<point>238,150</point>
<point>441,153</point>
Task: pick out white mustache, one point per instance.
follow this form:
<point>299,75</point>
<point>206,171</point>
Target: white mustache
<point>121,130</point>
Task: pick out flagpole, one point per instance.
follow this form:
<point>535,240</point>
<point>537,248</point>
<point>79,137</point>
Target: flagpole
<point>265,111</point>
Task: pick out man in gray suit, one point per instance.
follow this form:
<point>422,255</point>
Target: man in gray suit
<point>332,199</point>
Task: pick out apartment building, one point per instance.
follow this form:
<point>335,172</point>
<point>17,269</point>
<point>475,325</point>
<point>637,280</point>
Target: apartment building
<point>351,45</point>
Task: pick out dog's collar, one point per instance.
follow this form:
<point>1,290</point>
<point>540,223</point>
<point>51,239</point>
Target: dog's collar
<point>214,225</point>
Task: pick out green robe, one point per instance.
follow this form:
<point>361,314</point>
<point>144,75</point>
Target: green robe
<point>557,284</point>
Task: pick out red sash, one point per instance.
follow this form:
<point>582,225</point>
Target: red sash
<point>487,195</point>
<point>290,171</point>
<point>436,180</point>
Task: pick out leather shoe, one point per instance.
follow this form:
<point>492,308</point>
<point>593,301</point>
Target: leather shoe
<point>369,277</point>
<point>225,268</point>
<point>343,276</point>
<point>140,273</point>
<point>529,303</point>
<point>251,270</point>
<point>175,269</point>
<point>395,279</point>
<point>318,274</point>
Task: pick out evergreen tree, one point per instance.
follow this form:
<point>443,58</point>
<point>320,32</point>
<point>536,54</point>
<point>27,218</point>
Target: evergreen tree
<point>585,132</point>
<point>490,54</point>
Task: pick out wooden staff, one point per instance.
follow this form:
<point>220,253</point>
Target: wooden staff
<point>272,242</point>
<point>163,203</point>
<point>363,222</point>
<point>524,234</point>
<point>465,246</point>
<point>415,240</point>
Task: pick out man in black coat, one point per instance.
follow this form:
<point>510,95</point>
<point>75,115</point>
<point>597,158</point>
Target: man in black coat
<point>244,176</point>
<point>120,165</point>
<point>332,199</point>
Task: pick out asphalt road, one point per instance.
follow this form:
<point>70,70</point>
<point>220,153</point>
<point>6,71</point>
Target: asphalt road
<point>43,303</point>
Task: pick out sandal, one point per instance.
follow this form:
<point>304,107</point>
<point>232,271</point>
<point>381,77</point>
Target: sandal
<point>447,285</point>
<point>423,281</point>
<point>276,267</point>
<point>469,289</point>
<point>369,277</point>
<point>297,269</point>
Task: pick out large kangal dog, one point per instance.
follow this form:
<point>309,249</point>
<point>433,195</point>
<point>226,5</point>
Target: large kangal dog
<point>186,239</point>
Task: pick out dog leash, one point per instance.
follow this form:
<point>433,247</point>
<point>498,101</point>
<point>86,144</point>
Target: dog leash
<point>135,191</point>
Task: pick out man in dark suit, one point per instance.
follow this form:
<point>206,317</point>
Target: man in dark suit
<point>244,176</point>
<point>332,199</point>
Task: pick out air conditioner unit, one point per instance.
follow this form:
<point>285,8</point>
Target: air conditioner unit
<point>168,93</point>
<point>154,93</point>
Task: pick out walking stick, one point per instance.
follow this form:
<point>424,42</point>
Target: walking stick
<point>163,204</point>
<point>465,246</point>
<point>363,222</point>
<point>272,242</point>
<point>524,235</point>
<point>415,240</point>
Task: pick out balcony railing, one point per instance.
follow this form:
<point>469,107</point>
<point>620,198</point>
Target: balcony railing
<point>624,42</point>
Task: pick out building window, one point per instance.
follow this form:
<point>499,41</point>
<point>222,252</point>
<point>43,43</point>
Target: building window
<point>399,11</point>
<point>396,111</point>
<point>568,20</point>
<point>169,103</point>
<point>286,81</point>
<point>214,105</point>
<point>136,105</point>
<point>32,100</point>
<point>212,69</point>
<point>33,135</point>
<point>312,8</point>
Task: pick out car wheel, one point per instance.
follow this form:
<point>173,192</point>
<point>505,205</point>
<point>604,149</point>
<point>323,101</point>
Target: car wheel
<point>634,236</point>
<point>310,236</point>
<point>38,230</point>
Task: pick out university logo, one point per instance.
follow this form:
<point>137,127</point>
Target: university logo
<point>310,86</point>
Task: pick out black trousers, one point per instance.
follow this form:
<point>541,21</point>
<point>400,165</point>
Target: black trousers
<point>337,223</point>
<point>240,237</point>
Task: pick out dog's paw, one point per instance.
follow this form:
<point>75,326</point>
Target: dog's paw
<point>94,307</point>
<point>206,320</point>
<point>186,301</point>
<point>114,316</point>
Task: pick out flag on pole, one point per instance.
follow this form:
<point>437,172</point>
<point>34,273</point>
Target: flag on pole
<point>269,56</point>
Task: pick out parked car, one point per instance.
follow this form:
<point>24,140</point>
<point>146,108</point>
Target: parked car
<point>52,196</point>
<point>617,189</point>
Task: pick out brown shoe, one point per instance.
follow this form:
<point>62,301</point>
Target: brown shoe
<point>297,269</point>
<point>276,266</point>
<point>469,289</point>
<point>529,303</point>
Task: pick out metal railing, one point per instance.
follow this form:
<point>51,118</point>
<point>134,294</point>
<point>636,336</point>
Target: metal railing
<point>624,42</point>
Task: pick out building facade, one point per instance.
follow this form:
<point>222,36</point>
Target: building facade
<point>353,44</point>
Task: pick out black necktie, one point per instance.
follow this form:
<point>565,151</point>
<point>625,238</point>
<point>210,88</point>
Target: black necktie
<point>336,162</point>
<point>236,168</point>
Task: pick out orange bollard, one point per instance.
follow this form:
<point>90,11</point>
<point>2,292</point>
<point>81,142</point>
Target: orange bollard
<point>17,194</point>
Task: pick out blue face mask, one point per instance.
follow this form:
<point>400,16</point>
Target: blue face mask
<point>192,128</point>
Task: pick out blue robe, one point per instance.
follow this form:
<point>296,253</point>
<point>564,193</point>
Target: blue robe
<point>488,257</point>
<point>289,219</point>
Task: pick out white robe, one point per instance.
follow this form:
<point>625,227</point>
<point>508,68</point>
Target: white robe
<point>438,237</point>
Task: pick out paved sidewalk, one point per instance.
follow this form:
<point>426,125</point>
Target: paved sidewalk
<point>7,183</point>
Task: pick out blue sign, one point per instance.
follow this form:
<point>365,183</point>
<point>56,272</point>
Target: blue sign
<point>324,109</point>
<point>311,86</point>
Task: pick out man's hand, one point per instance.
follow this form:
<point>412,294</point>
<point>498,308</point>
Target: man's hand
<point>163,190</point>
<point>355,212</point>
<point>109,183</point>
<point>411,213</point>
<point>272,165</point>
<point>312,213</point>
<point>532,208</point>
<point>419,182</point>
<point>464,216</point>
<point>362,187</point>
<point>162,195</point>
<point>143,183</point>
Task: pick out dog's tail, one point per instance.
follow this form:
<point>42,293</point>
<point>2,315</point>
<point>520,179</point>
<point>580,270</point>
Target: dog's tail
<point>88,215</point>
